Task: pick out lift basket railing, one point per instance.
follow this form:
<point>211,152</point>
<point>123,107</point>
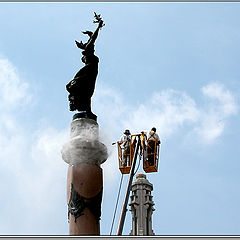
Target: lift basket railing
<point>150,153</point>
<point>125,154</point>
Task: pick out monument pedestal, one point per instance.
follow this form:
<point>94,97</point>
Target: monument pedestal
<point>84,154</point>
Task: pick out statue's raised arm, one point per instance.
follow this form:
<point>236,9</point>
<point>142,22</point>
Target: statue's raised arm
<point>95,34</point>
<point>89,45</point>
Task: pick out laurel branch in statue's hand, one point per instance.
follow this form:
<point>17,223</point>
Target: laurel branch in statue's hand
<point>98,20</point>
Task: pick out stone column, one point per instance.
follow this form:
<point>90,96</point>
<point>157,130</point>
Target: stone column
<point>84,154</point>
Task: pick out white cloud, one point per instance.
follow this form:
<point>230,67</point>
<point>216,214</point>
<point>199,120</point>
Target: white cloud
<point>225,101</point>
<point>13,92</point>
<point>221,104</point>
<point>32,165</point>
<point>167,111</point>
<point>47,174</point>
<point>110,106</point>
<point>210,127</point>
<point>170,110</point>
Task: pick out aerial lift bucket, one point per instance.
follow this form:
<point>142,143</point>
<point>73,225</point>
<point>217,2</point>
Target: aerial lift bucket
<point>125,155</point>
<point>150,156</point>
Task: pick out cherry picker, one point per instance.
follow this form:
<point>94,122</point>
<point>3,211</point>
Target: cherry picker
<point>148,150</point>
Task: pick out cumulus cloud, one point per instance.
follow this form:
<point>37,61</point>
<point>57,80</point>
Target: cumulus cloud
<point>220,105</point>
<point>167,111</point>
<point>110,107</point>
<point>13,91</point>
<point>33,174</point>
<point>170,110</point>
<point>44,182</point>
<point>225,102</point>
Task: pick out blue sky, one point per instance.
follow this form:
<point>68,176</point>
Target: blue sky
<point>174,66</point>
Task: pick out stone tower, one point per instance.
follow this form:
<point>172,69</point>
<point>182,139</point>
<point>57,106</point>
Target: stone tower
<point>141,204</point>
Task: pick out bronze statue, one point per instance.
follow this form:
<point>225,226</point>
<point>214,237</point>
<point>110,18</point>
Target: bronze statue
<point>81,88</point>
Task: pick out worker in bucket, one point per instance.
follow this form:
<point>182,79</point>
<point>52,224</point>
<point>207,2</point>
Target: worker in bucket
<point>143,139</point>
<point>125,145</point>
<point>152,141</point>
